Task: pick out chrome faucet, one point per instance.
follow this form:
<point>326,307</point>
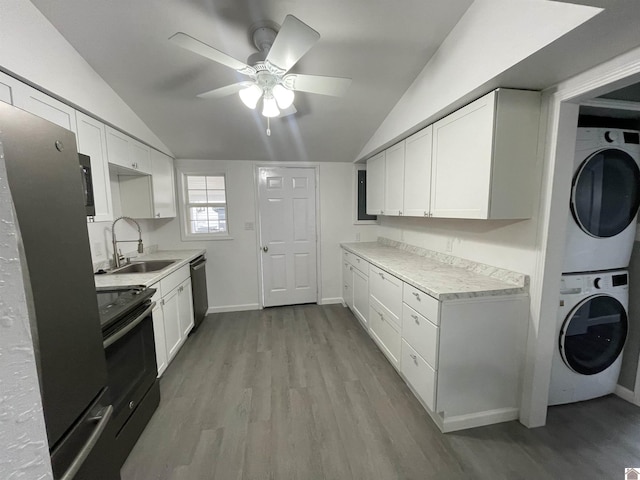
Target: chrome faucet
<point>116,256</point>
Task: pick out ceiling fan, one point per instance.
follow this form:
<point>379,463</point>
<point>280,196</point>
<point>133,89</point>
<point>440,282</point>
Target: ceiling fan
<point>278,52</point>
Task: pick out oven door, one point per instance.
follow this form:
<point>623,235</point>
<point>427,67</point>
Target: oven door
<point>131,362</point>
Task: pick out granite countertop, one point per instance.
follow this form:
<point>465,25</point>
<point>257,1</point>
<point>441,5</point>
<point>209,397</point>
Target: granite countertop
<point>441,276</point>
<point>183,257</point>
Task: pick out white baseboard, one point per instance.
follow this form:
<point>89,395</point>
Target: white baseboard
<point>489,417</point>
<point>626,394</point>
<point>234,308</point>
<point>330,301</point>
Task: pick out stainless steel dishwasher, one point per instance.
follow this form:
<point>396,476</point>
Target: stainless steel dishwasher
<point>199,290</point>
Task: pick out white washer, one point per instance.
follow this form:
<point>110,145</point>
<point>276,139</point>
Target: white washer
<point>605,196</point>
<point>590,335</point>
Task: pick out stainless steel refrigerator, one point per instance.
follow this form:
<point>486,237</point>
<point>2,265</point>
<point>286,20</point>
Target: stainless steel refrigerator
<point>44,179</point>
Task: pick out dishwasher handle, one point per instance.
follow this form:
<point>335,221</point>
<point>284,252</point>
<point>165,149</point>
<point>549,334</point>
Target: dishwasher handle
<point>198,263</point>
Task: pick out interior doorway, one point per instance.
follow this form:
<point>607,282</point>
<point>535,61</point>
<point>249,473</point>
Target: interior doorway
<point>287,235</point>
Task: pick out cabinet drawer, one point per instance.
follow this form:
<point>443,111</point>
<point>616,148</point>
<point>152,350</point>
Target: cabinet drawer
<point>421,334</point>
<point>385,333</point>
<point>359,263</point>
<point>419,375</point>
<point>424,304</point>
<point>170,282</point>
<point>387,290</point>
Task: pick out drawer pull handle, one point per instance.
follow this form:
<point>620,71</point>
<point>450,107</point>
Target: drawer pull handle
<point>417,295</point>
<point>413,356</point>
<point>415,317</point>
<point>381,275</point>
<point>381,316</point>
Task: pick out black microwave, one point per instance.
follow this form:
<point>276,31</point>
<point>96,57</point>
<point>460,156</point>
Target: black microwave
<point>87,184</point>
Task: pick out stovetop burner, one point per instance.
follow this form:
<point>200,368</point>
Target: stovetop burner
<point>115,302</point>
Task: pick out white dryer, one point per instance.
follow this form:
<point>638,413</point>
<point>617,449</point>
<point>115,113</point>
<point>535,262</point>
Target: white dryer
<point>591,331</point>
<point>605,196</point>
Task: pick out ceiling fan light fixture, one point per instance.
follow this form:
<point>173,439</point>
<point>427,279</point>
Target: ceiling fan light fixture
<point>270,107</point>
<point>284,97</point>
<point>250,95</point>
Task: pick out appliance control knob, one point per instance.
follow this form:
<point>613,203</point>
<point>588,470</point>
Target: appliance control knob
<point>610,136</point>
<point>596,282</point>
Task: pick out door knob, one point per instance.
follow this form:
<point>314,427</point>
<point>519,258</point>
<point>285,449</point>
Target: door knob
<point>265,249</point>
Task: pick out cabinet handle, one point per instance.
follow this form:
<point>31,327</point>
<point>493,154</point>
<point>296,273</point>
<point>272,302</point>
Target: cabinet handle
<point>358,260</point>
<point>415,317</point>
<point>381,316</point>
<point>162,302</point>
<point>158,215</point>
<point>381,275</point>
<point>426,214</point>
<point>417,295</point>
<point>399,212</point>
<point>413,356</point>
<point>381,212</point>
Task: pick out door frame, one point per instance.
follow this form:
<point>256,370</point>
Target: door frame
<point>256,177</point>
<point>558,127</point>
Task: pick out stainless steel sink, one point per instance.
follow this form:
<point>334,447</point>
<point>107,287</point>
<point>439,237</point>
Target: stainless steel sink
<point>144,266</point>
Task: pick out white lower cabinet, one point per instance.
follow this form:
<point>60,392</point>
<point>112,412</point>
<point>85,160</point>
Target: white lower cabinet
<point>172,315</point>
<point>462,358</point>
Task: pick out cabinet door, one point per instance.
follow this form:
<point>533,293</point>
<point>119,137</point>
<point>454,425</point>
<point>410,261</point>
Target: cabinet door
<point>159,336</point>
<point>347,284</point>
<point>417,173</point>
<point>185,307</point>
<point>118,151</point>
<point>462,156</point>
<point>172,331</point>
<point>375,184</point>
<point>92,141</point>
<point>7,86</point>
<point>360,296</point>
<point>394,179</point>
<point>164,192</point>
<point>140,156</point>
<point>44,106</point>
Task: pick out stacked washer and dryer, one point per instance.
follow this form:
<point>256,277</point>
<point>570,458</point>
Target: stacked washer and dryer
<point>592,319</point>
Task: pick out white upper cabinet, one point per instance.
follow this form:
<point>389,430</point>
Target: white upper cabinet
<point>92,141</point>
<point>163,182</point>
<point>7,85</point>
<point>394,179</point>
<point>127,152</point>
<point>483,157</point>
<point>417,173</point>
<point>44,106</point>
<point>375,184</point>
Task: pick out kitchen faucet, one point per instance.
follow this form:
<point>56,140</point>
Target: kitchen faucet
<point>116,257</point>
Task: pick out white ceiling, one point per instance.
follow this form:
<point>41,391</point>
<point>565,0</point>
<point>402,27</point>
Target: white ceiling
<point>381,44</point>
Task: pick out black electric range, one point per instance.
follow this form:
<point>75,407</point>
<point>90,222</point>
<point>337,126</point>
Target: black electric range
<point>115,303</point>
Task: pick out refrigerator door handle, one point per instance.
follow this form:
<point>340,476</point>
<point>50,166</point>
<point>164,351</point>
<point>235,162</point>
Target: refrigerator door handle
<point>84,452</point>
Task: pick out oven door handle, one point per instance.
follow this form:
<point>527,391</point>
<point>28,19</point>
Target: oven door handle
<point>86,449</point>
<point>121,333</point>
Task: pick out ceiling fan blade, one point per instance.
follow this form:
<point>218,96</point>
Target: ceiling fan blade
<point>196,46</point>
<point>333,86</point>
<point>225,91</point>
<point>294,39</point>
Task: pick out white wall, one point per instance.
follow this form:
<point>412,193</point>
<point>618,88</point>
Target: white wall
<point>31,48</point>
<point>232,269</point>
<point>491,37</point>
<point>24,451</point>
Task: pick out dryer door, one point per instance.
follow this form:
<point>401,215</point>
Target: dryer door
<point>593,334</point>
<point>605,193</point>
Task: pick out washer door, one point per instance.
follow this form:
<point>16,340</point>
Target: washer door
<point>593,334</point>
<point>605,193</point>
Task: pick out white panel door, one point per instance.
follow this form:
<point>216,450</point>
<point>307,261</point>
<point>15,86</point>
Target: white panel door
<point>92,141</point>
<point>417,177</point>
<point>164,196</point>
<point>287,219</point>
<point>394,180</point>
<point>44,106</point>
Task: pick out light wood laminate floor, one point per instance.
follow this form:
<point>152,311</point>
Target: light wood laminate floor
<point>303,393</point>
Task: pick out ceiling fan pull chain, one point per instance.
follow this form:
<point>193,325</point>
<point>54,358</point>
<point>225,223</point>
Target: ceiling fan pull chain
<point>268,127</point>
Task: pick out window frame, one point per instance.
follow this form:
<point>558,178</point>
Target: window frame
<point>185,232</point>
<point>354,188</point>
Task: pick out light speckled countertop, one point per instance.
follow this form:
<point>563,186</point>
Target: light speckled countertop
<point>183,257</point>
<point>441,276</point>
